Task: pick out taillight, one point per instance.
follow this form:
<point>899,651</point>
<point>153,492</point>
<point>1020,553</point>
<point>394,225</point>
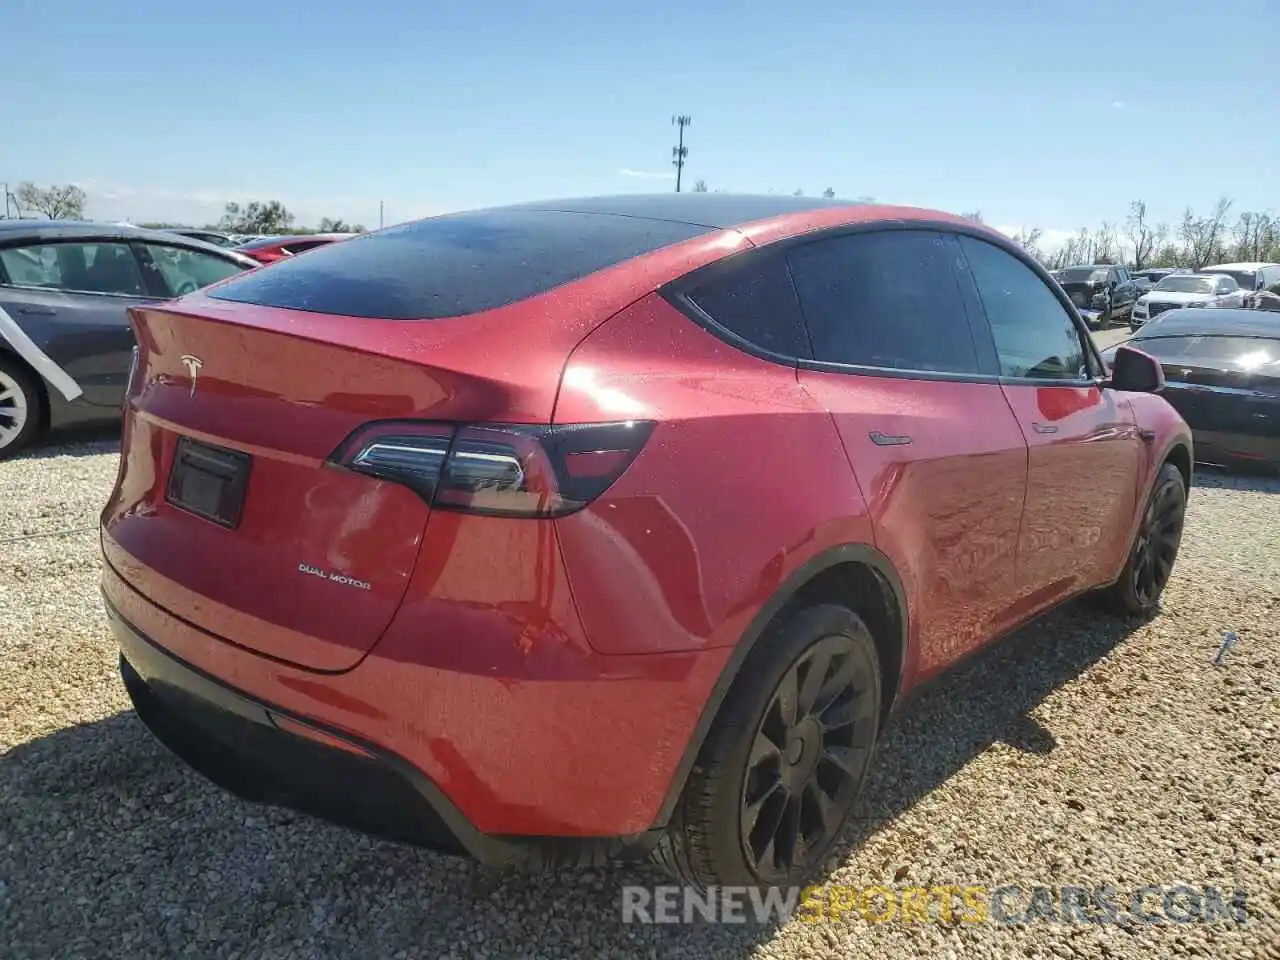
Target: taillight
<point>497,469</point>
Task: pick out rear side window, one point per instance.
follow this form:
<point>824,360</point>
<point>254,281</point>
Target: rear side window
<point>185,270</point>
<point>889,300</point>
<point>454,265</point>
<point>754,299</point>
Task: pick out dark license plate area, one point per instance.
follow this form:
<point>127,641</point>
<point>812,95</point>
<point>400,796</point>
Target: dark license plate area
<point>208,481</point>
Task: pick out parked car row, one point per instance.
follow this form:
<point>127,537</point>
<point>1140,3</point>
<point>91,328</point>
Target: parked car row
<point>1253,285</point>
<point>65,339</point>
<point>271,249</point>
<point>1107,293</point>
<point>265,248</point>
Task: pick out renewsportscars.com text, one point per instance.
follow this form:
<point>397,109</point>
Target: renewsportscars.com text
<point>1008,905</point>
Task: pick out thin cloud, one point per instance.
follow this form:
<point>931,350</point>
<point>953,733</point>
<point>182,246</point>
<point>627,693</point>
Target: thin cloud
<point>1117,104</point>
<point>204,204</point>
<point>644,174</point>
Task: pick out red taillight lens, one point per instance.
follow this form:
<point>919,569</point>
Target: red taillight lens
<point>512,470</point>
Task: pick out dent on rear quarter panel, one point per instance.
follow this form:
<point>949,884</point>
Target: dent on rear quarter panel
<point>742,482</point>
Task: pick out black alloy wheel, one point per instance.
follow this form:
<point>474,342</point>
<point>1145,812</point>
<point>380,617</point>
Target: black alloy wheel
<point>780,770</point>
<point>1157,544</point>
<point>807,759</point>
<point>1155,548</point>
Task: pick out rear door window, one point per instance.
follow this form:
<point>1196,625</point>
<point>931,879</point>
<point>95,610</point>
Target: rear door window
<point>887,299</point>
<point>454,265</point>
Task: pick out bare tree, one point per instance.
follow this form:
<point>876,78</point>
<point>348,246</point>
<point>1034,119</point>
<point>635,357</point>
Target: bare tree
<point>1202,236</point>
<point>58,202</point>
<point>1103,246</point>
<point>1029,240</point>
<point>1254,235</point>
<point>974,215</point>
<point>699,186</point>
<point>1143,237</point>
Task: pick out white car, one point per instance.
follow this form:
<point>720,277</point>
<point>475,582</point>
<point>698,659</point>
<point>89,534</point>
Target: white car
<point>1186,290</point>
<point>1254,277</point>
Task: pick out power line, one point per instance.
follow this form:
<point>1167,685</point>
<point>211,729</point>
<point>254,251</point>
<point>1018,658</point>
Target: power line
<point>680,151</point>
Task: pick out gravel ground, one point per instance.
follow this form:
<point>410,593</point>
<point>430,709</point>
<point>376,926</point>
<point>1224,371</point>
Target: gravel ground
<point>1085,752</point>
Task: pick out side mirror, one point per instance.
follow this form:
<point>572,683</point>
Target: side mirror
<point>1135,372</point>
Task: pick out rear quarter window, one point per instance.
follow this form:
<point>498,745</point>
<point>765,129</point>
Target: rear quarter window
<point>753,298</point>
<point>454,265</point>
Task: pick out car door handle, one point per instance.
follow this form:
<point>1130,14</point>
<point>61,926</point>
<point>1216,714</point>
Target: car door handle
<point>38,311</point>
<point>1044,428</point>
<point>888,440</point>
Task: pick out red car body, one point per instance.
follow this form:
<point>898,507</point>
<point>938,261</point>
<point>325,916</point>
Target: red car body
<point>271,249</point>
<point>528,678</point>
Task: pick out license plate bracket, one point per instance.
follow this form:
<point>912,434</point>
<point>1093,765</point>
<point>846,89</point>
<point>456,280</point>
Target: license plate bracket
<point>209,481</point>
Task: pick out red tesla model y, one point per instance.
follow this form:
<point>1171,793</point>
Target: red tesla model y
<point>614,528</point>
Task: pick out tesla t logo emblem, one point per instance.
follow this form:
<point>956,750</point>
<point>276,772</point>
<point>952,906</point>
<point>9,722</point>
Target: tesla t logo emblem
<point>193,366</point>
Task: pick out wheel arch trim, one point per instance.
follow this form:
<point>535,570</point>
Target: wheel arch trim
<point>827,559</point>
<point>37,359</point>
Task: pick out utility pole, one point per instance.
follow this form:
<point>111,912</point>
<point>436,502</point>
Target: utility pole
<point>680,151</point>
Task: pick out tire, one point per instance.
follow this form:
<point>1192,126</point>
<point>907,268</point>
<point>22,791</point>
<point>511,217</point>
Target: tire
<point>752,771</point>
<point>21,407</point>
<point>1154,550</point>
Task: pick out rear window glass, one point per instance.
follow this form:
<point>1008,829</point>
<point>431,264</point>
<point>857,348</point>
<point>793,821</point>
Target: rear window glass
<point>1245,352</point>
<point>453,265</point>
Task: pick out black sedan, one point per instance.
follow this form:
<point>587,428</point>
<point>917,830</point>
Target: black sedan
<point>1222,373</point>
<point>65,341</point>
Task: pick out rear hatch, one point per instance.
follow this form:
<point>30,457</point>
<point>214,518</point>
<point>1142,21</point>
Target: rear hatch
<point>226,512</point>
<point>231,510</point>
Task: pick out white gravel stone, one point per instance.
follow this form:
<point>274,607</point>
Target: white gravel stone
<point>1085,751</point>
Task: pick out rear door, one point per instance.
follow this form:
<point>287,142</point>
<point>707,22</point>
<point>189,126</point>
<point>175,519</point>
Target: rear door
<point>1085,449</point>
<point>932,442</point>
<point>70,298</point>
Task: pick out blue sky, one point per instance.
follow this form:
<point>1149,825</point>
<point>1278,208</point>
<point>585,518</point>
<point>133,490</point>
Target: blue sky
<point>1054,114</point>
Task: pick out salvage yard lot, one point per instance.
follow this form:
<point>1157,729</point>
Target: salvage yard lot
<point>1083,752</point>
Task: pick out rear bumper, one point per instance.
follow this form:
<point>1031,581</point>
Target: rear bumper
<point>266,754</point>
<point>522,753</point>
